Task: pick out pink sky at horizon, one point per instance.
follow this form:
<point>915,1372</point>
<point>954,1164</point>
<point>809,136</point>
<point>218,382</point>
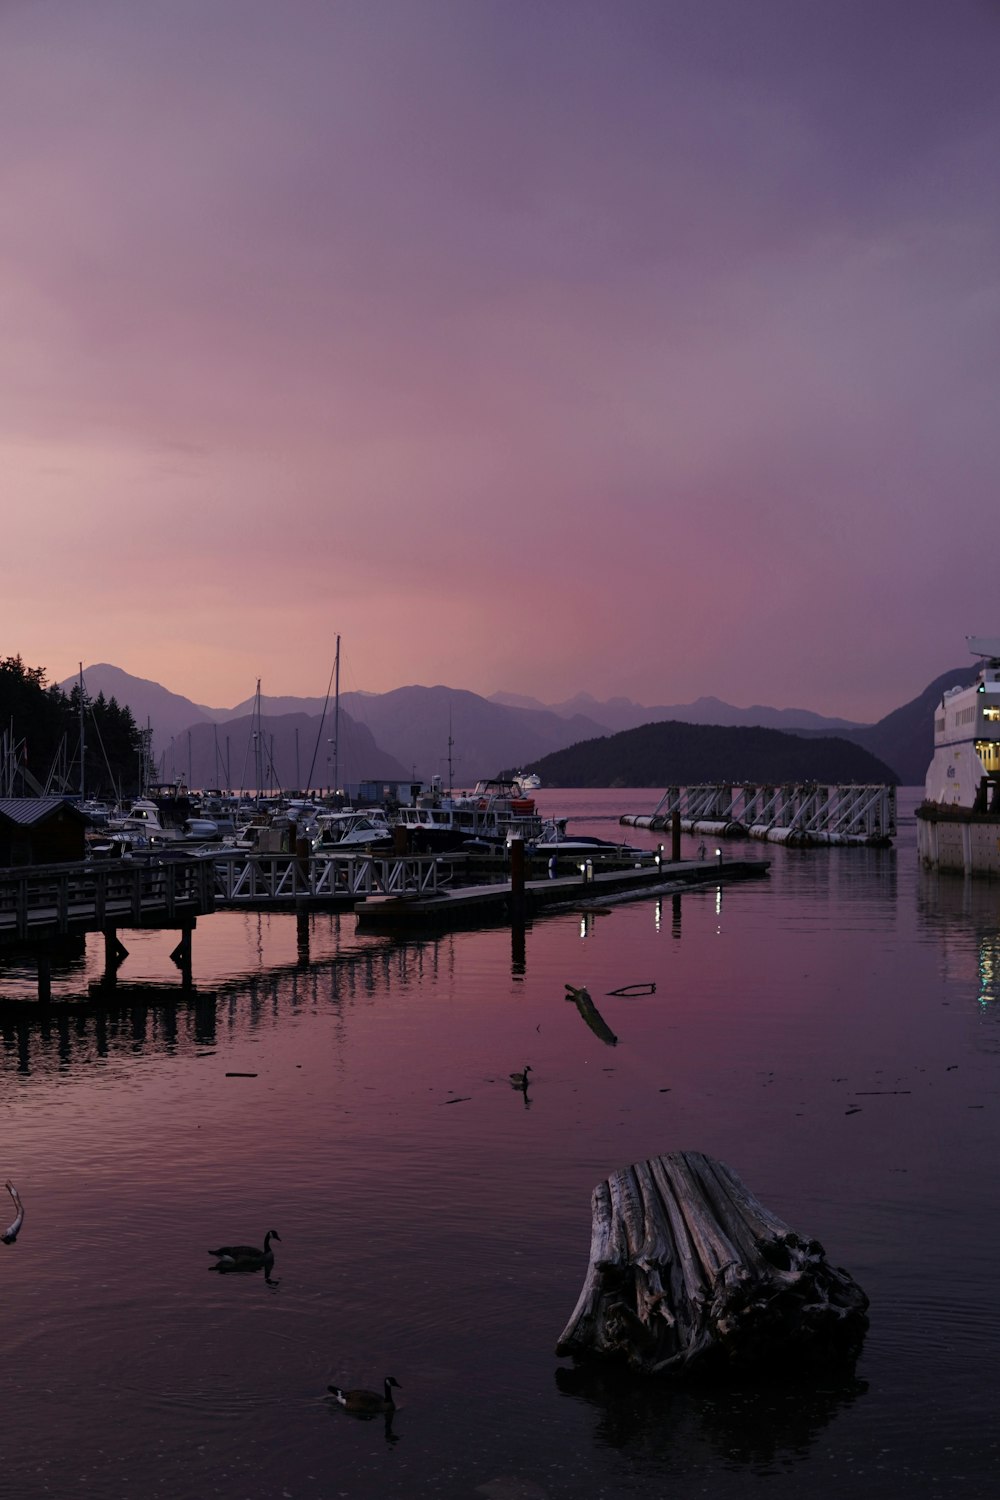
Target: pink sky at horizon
<point>645,349</point>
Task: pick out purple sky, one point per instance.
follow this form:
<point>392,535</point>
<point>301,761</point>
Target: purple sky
<point>635,348</point>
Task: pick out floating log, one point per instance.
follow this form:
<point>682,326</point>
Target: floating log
<point>690,1274</point>
<point>13,1230</point>
<point>629,991</point>
<point>591,1014</point>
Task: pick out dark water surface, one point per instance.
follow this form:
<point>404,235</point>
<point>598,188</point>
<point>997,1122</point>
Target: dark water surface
<point>832,1032</point>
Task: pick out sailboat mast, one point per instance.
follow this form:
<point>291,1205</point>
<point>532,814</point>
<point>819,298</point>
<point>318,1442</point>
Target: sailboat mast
<point>450,745</point>
<point>82,737</point>
<point>336,720</point>
<point>257,747</point>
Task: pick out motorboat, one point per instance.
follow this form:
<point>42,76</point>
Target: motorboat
<point>490,815</point>
<point>145,819</point>
<point>359,828</point>
<point>553,839</point>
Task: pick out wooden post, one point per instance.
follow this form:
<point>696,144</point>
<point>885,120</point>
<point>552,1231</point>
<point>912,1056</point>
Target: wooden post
<point>675,835</point>
<point>115,954</point>
<point>516,847</point>
<point>304,871</point>
<point>181,956</point>
<point>400,839</point>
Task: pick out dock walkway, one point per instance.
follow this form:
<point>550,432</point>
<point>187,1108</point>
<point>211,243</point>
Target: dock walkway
<point>497,902</point>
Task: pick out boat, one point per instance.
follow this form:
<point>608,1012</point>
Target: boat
<point>489,816</point>
<point>527,781</point>
<point>166,815</point>
<point>958,822</point>
<point>554,840</point>
<point>360,828</point>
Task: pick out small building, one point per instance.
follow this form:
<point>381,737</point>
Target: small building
<point>385,792</point>
<point>41,831</point>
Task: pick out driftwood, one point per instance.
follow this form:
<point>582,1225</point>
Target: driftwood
<point>590,1013</point>
<point>690,1273</point>
<point>13,1230</point>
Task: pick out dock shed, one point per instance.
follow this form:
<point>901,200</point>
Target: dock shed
<point>40,831</point>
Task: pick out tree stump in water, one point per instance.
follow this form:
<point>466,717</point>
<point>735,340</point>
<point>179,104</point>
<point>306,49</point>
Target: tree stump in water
<point>691,1274</point>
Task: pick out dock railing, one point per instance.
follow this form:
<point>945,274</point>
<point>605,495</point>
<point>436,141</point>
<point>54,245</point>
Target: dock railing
<point>82,896</point>
<point>248,879</point>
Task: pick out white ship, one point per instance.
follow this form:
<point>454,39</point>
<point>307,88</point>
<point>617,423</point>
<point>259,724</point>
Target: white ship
<point>959,820</point>
<point>965,771</point>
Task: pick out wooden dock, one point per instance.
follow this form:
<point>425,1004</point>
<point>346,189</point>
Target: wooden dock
<point>41,903</point>
<point>497,902</point>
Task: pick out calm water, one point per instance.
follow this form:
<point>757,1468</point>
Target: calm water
<point>832,1032</point>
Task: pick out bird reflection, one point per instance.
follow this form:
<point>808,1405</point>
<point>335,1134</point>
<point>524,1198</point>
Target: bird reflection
<point>388,1417</point>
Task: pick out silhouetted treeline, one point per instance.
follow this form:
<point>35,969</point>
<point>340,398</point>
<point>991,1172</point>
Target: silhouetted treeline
<point>676,754</point>
<point>40,734</point>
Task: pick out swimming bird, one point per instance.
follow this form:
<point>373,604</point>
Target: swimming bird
<point>11,1234</point>
<point>520,1080</point>
<point>366,1403</point>
<point>245,1257</point>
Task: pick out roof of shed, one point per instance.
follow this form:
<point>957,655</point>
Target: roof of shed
<point>29,811</point>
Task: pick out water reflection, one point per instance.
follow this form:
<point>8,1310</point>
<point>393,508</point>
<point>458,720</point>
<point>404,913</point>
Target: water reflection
<point>965,916</point>
<point>133,1019</point>
<point>765,1425</point>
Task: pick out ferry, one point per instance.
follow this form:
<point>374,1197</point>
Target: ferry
<point>958,824</point>
<point>965,770</point>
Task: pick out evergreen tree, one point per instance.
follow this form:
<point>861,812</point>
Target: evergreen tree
<point>40,734</point>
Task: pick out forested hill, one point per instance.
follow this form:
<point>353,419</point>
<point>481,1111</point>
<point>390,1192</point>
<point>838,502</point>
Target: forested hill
<point>674,754</point>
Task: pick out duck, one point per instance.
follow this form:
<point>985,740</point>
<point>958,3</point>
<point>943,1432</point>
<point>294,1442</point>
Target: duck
<point>246,1257</point>
<point>520,1080</point>
<point>367,1403</point>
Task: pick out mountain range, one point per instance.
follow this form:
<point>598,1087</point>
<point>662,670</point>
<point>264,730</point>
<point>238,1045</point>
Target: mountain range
<point>421,732</point>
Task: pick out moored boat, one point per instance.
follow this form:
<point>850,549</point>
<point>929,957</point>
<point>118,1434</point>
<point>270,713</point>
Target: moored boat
<point>493,813</point>
<point>958,825</point>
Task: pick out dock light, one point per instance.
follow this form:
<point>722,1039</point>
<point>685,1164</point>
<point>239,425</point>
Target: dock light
<point>718,855</point>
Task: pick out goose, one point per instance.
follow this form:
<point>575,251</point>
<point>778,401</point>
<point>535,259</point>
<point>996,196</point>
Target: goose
<point>245,1257</point>
<point>10,1235</point>
<point>520,1080</point>
<point>366,1403</point>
